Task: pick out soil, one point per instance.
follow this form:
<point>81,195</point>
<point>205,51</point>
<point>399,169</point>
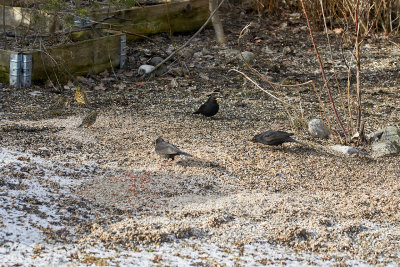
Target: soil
<point>232,192</point>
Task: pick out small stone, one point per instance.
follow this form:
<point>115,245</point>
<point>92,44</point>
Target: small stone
<point>198,54</point>
<point>156,60</point>
<point>318,129</point>
<point>231,53</point>
<point>345,149</point>
<point>186,53</point>
<point>205,51</point>
<point>145,69</point>
<point>248,57</point>
<point>286,50</point>
<point>267,50</point>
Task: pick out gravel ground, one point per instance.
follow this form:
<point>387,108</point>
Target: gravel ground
<point>102,196</point>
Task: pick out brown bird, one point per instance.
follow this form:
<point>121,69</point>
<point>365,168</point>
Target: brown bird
<point>89,120</point>
<point>59,107</point>
<point>274,138</point>
<point>167,150</point>
<point>209,108</point>
<point>81,98</point>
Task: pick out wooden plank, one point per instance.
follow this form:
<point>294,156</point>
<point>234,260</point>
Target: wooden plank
<point>19,17</point>
<point>176,16</point>
<point>80,58</point>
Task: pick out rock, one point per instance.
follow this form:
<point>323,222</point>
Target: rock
<point>231,53</point>
<point>145,69</point>
<point>286,50</point>
<point>205,51</point>
<point>267,50</point>
<point>386,142</point>
<point>345,149</point>
<point>198,54</point>
<point>384,148</point>
<point>392,134</point>
<point>248,57</point>
<point>186,52</point>
<point>375,136</point>
<point>318,129</point>
<point>156,60</point>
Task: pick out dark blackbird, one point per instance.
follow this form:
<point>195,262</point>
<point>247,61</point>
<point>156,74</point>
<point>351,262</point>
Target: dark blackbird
<point>274,138</point>
<point>210,108</point>
<point>167,150</point>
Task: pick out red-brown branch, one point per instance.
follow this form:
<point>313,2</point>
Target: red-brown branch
<point>323,72</point>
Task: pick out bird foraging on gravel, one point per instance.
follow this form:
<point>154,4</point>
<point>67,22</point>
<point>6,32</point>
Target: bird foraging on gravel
<point>81,98</point>
<point>167,150</point>
<point>209,108</point>
<point>89,120</point>
<point>274,138</point>
<point>58,108</point>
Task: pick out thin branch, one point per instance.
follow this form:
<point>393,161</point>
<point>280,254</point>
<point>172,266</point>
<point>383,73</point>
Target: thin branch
<point>323,71</point>
<point>358,67</point>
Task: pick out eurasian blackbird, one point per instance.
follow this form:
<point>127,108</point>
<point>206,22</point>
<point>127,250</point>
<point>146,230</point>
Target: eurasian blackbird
<point>89,120</point>
<point>274,138</point>
<point>209,108</point>
<point>167,150</point>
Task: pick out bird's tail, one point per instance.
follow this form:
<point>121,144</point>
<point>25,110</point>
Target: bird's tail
<point>295,141</point>
<point>185,154</point>
<point>196,112</point>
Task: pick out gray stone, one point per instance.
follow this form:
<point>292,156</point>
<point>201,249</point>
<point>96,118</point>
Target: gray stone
<point>392,134</point>
<point>318,129</point>
<point>267,50</point>
<point>145,69</point>
<point>198,54</point>
<point>287,50</point>
<point>205,51</point>
<point>248,57</point>
<point>386,142</point>
<point>385,148</point>
<point>375,136</point>
<point>231,53</point>
<point>345,149</point>
<point>186,52</point>
<point>156,60</point>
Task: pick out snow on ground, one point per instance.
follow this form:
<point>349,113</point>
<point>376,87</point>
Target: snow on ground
<point>30,190</point>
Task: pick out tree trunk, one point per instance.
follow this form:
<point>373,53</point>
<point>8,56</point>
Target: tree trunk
<point>216,21</point>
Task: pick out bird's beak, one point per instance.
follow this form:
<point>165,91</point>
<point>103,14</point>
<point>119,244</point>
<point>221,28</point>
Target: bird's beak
<point>218,98</point>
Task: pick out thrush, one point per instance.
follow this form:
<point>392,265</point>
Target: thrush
<point>209,108</point>
<point>167,150</point>
<point>58,108</point>
<point>274,138</point>
<point>81,98</point>
<point>89,120</point>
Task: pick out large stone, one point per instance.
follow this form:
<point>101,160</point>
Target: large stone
<point>318,129</point>
<point>392,134</point>
<point>387,142</point>
<point>385,148</point>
